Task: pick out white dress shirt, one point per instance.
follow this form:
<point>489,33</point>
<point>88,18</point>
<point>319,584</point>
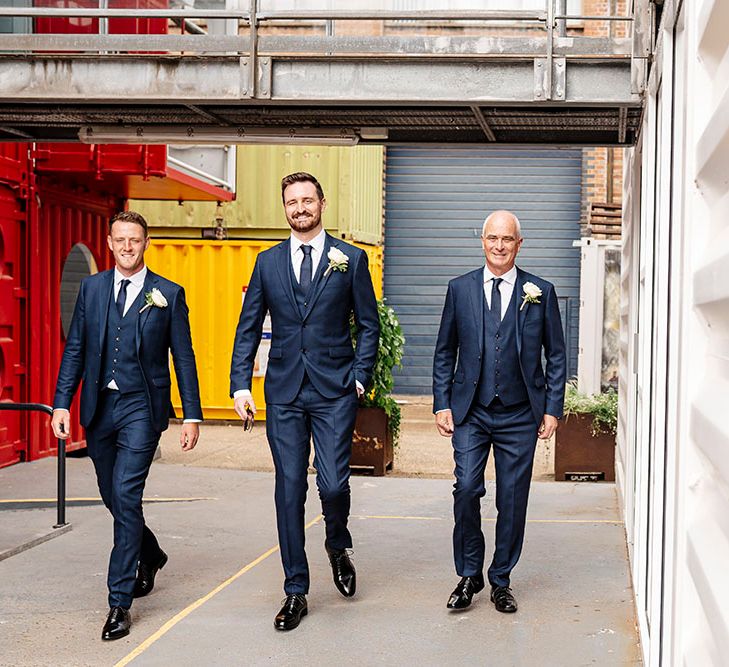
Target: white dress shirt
<point>297,255</point>
<point>506,287</point>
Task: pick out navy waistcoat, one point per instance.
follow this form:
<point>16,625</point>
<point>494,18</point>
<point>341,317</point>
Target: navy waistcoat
<point>500,371</point>
<point>120,362</point>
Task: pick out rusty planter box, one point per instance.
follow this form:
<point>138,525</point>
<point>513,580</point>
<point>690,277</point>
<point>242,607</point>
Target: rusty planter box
<point>372,441</point>
<point>581,456</point>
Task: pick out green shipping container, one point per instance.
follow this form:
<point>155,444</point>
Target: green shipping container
<point>351,177</point>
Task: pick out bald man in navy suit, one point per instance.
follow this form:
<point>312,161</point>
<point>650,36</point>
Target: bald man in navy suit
<point>491,390</point>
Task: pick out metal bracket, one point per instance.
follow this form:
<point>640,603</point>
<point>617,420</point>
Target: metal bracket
<point>546,89</point>
<point>245,78</point>
<point>264,78</point>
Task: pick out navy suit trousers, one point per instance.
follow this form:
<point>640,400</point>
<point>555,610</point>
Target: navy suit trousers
<point>121,442</point>
<point>290,428</point>
<point>512,431</point>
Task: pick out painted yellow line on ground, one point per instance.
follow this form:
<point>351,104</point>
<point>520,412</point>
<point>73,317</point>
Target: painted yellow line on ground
<point>90,499</point>
<point>198,603</point>
<point>440,518</point>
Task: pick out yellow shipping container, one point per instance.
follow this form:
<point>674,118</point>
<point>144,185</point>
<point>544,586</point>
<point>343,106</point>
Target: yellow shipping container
<point>351,177</point>
<point>214,275</point>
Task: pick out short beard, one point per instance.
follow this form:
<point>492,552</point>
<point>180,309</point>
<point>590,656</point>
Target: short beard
<point>303,225</point>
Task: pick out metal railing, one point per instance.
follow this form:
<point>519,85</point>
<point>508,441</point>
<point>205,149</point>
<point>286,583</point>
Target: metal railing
<point>547,42</point>
<point>249,40</point>
<point>61,465</point>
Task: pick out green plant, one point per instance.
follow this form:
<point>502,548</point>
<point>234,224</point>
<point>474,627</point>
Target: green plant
<point>603,408</point>
<point>389,355</point>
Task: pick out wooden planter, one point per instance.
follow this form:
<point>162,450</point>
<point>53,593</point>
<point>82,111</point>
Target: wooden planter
<point>372,441</point>
<point>580,456</point>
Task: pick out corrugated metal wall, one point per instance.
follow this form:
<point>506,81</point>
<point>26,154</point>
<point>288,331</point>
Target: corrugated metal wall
<point>436,201</point>
<point>350,177</point>
<point>214,274</point>
<point>13,299</point>
<point>59,219</point>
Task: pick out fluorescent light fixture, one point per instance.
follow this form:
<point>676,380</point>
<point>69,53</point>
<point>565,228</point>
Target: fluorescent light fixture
<point>172,134</point>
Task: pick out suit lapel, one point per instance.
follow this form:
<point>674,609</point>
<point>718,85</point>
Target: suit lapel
<point>107,289</point>
<point>321,280</point>
<point>283,268</point>
<point>520,312</point>
<point>150,281</point>
<point>477,300</point>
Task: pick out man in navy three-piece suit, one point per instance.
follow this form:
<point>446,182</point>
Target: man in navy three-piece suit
<point>490,389</point>
<point>125,323</point>
<point>310,284</point>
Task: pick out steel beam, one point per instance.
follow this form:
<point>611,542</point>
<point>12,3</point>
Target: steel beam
<point>168,79</point>
<point>280,45</point>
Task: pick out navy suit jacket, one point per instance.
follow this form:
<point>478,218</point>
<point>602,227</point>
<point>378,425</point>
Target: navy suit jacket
<point>316,339</point>
<point>457,360</point>
<point>159,331</point>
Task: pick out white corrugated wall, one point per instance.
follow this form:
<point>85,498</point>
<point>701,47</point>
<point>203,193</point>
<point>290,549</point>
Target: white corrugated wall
<point>673,441</point>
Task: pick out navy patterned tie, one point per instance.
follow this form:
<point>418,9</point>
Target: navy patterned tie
<point>121,298</point>
<point>496,298</point>
<point>305,276</point>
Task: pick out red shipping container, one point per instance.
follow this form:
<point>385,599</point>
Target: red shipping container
<point>90,26</point>
<point>13,300</point>
<point>60,220</point>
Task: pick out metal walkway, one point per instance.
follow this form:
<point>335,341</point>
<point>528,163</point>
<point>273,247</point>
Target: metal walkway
<point>284,76</point>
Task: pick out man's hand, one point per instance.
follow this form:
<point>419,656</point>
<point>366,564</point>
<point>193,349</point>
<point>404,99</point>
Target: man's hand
<point>189,436</point>
<point>444,423</point>
<point>547,427</point>
<point>61,424</point>
<point>241,403</point>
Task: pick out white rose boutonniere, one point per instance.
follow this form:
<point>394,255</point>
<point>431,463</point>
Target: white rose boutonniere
<point>531,294</point>
<point>338,261</point>
<point>154,298</point>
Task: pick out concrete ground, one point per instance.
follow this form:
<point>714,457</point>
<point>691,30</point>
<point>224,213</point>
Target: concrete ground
<point>215,601</point>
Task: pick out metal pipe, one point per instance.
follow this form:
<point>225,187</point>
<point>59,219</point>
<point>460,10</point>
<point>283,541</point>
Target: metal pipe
<point>580,17</point>
<point>77,12</point>
<point>324,15</point>
<point>253,48</point>
<point>61,465</point>
<point>561,23</point>
<point>550,49</point>
<point>432,15</point>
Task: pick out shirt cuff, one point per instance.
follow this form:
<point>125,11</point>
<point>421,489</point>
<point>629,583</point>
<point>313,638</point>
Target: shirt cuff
<point>242,393</point>
<point>359,386</point>
<point>192,421</point>
<point>443,410</point>
<point>64,409</point>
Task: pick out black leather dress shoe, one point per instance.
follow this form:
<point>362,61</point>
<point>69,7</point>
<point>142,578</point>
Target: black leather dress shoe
<point>146,573</point>
<point>465,590</point>
<point>117,624</point>
<point>503,599</point>
<point>345,577</point>
<point>293,610</point>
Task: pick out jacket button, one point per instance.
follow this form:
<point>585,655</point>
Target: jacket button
<point>474,382</point>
